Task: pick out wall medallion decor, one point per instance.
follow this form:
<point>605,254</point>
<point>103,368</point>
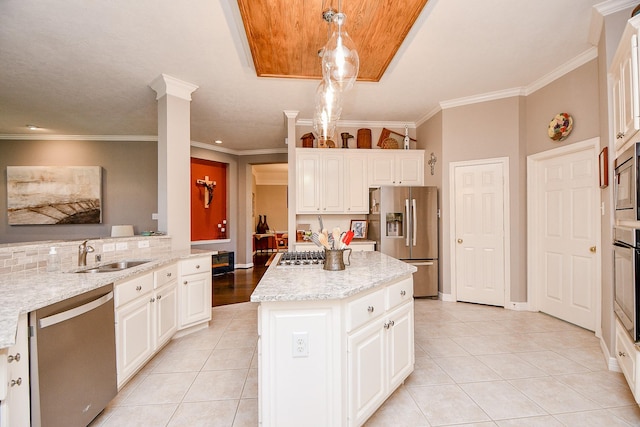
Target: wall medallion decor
<point>560,127</point>
<point>54,195</point>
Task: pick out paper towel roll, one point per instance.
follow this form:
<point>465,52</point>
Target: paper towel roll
<point>121,230</point>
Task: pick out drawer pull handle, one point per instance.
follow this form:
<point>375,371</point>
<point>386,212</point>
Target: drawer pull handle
<point>138,288</point>
<point>168,274</point>
<point>159,296</point>
<point>197,266</point>
<point>185,282</point>
<point>403,293</point>
<point>152,300</point>
<point>622,354</point>
<point>370,309</point>
<point>16,382</point>
<point>619,135</point>
<point>12,358</point>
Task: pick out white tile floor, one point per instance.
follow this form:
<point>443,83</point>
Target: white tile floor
<point>475,366</point>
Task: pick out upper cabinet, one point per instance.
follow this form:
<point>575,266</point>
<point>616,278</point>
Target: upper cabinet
<point>624,85</point>
<point>336,181</point>
<point>396,167</point>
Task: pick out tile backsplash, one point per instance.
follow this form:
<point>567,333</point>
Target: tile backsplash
<point>32,257</point>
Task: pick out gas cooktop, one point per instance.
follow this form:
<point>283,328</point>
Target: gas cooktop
<point>301,259</point>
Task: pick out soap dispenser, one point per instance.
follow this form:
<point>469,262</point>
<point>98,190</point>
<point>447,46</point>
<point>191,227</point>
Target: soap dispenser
<point>53,260</point>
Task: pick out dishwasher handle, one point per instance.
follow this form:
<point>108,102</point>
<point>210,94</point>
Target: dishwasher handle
<point>75,312</point>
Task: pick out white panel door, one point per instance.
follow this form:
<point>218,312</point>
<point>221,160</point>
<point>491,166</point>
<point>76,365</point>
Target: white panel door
<point>566,261</point>
<point>479,233</point>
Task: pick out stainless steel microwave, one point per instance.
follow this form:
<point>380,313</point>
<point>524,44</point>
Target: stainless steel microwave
<point>626,184</point>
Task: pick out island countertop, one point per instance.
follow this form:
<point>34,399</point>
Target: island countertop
<point>25,292</point>
<point>309,283</point>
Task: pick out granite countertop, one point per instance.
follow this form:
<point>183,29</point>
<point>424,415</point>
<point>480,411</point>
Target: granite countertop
<point>25,292</point>
<point>308,283</point>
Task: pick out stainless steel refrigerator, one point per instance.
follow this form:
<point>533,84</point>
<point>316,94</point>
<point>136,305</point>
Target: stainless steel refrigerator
<point>404,223</point>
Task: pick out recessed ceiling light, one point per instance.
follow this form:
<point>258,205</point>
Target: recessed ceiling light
<point>33,127</point>
<point>217,141</point>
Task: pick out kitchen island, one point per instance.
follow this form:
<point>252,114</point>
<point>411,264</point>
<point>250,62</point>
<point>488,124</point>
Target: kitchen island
<point>333,345</point>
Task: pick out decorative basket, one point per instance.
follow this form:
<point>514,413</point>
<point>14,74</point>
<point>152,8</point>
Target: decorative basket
<point>389,143</point>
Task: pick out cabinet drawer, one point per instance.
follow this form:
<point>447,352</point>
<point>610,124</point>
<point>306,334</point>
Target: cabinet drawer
<point>195,265</point>
<point>364,309</point>
<point>400,292</point>
<point>165,275</point>
<point>626,353</point>
<point>132,289</point>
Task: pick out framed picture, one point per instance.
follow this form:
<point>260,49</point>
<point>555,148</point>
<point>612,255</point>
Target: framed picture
<point>359,228</point>
<point>391,139</point>
<point>54,195</point>
<point>603,163</point>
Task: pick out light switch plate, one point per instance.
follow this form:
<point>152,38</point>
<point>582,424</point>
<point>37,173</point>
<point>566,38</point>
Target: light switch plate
<point>122,246</point>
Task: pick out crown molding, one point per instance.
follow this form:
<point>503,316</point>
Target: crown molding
<point>586,56</point>
<point>231,151</point>
<point>612,6</point>
<point>490,96</point>
<point>362,123</point>
<point>50,137</point>
<point>435,110</point>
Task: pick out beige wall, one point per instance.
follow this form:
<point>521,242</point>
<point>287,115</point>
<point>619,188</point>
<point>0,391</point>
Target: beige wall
<point>271,200</point>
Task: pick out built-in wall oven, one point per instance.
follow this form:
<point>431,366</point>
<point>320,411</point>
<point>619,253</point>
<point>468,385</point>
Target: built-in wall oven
<point>626,254</point>
<point>626,184</point>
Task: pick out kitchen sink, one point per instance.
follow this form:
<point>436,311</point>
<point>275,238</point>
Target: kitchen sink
<point>114,266</point>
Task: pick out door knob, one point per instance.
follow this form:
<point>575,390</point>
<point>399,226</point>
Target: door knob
<point>459,240</point>
<point>592,249</point>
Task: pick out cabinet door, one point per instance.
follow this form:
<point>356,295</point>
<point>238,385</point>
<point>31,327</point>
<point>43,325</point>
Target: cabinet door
<point>166,312</point>
<point>195,299</point>
<point>410,168</point>
<point>332,183</point>
<point>367,372</point>
<point>15,408</point>
<point>356,197</point>
<point>400,344</point>
<point>308,183</point>
<point>381,168</point>
<point>134,336</point>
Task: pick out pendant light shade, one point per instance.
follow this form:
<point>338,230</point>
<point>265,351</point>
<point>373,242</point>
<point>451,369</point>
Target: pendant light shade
<point>328,107</point>
<point>340,59</point>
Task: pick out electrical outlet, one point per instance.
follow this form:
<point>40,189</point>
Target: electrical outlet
<point>108,247</point>
<point>154,216</point>
<point>122,246</point>
<point>143,244</point>
<point>300,344</point>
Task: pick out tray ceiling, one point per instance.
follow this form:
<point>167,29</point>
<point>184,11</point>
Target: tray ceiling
<point>285,36</point>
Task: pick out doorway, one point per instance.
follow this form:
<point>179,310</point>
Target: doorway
<point>480,251</point>
<point>564,233</point>
<point>270,205</point>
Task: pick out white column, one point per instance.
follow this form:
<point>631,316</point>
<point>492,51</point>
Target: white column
<point>174,158</point>
<point>290,120</point>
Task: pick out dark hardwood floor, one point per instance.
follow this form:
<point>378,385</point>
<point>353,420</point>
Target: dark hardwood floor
<point>237,286</point>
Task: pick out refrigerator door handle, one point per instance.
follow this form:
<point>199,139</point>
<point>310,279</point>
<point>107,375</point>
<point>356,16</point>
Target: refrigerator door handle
<point>406,221</point>
<point>414,221</point>
<point>419,263</point>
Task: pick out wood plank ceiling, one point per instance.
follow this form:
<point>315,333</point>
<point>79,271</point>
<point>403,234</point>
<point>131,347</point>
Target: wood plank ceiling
<point>285,36</point>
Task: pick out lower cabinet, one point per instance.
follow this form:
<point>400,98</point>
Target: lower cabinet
<point>14,389</point>
<point>334,362</point>
<point>195,291</point>
<point>628,358</point>
<point>146,318</point>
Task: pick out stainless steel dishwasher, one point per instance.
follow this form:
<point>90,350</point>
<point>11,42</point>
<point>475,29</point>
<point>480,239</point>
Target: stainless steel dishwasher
<point>73,359</point>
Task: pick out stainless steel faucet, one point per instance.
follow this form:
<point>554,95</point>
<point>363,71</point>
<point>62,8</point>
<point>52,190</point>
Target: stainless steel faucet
<point>83,250</point>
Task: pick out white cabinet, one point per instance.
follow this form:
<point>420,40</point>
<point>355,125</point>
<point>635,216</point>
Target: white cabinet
<point>14,388</point>
<point>146,313</point>
<point>628,357</point>
<point>358,351</point>
<point>396,167</point>
<point>319,181</point>
<point>134,325</point>
<point>624,76</point>
<point>356,186</point>
<point>194,291</point>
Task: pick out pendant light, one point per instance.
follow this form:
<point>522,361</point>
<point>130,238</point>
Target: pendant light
<point>340,58</point>
<point>328,107</point>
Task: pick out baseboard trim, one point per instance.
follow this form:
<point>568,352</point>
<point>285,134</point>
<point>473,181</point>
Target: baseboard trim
<point>244,266</point>
<point>611,361</point>
<point>445,297</point>
<point>518,306</point>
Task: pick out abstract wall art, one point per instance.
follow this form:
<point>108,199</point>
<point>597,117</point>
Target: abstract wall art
<point>54,195</point>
